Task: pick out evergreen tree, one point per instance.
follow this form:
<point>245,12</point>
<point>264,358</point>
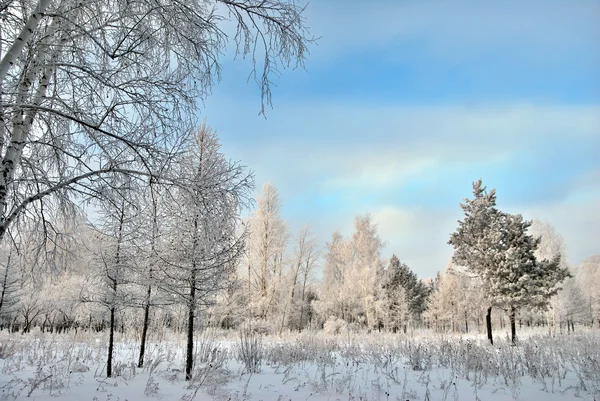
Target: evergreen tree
<point>398,278</point>
<point>518,278</point>
<point>496,247</point>
<point>474,241</point>
<point>396,301</point>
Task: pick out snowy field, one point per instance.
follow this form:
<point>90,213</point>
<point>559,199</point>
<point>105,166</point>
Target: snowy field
<point>309,366</point>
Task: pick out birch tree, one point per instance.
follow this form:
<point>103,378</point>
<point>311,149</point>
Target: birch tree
<point>267,241</point>
<point>305,255</point>
<point>334,299</point>
<point>588,276</point>
<point>352,274</point>
<point>567,305</point>
<point>99,88</point>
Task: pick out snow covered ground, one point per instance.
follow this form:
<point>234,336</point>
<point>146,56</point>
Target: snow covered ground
<point>310,366</point>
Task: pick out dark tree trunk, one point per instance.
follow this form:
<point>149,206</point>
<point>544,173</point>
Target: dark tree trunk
<point>513,325</point>
<point>111,341</point>
<point>189,358</point>
<point>145,327</point>
<point>466,323</point>
<point>111,337</point>
<point>149,291</point>
<point>488,323</point>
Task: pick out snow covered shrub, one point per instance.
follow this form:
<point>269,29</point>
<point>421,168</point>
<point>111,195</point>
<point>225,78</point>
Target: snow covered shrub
<point>125,370</point>
<point>582,356</point>
<point>7,348</point>
<point>250,350</point>
<point>419,356</point>
<point>304,347</point>
<point>511,367</point>
<point>542,362</point>
<point>334,326</point>
<point>210,373</point>
<point>206,346</point>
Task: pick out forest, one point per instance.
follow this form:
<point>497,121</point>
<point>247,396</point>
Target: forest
<point>139,261</point>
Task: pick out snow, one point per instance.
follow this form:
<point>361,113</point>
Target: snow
<point>308,366</point>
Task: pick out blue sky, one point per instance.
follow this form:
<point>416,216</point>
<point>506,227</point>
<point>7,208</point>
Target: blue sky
<point>404,103</point>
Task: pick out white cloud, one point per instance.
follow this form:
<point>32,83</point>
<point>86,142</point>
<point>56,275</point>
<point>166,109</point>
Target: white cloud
<point>363,146</point>
<point>576,218</point>
<point>418,236</point>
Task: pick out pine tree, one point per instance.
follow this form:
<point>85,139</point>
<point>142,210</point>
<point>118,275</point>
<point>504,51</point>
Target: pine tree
<point>519,279</point>
<point>496,246</point>
<point>475,240</point>
<point>399,278</point>
<point>395,298</point>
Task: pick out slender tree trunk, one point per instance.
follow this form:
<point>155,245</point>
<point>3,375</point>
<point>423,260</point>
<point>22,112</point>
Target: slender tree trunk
<point>189,358</point>
<point>111,341</point>
<point>5,280</point>
<point>303,297</point>
<point>290,302</point>
<point>263,267</point>
<point>488,322</point>
<point>150,271</point>
<point>466,323</point>
<point>513,325</point>
<point>145,326</point>
<point>111,336</point>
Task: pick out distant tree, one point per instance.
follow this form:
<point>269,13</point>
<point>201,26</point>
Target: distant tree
<point>9,282</point>
<point>570,304</point>
<point>362,282</point>
<point>231,303</point>
<point>114,263</point>
<point>588,277</point>
<point>567,305</point>
<point>307,292</point>
<point>395,299</point>
<point>267,240</point>
<point>402,286</point>
<point>304,257</point>
<point>333,298</point>
<point>352,272</point>
<point>456,300</point>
